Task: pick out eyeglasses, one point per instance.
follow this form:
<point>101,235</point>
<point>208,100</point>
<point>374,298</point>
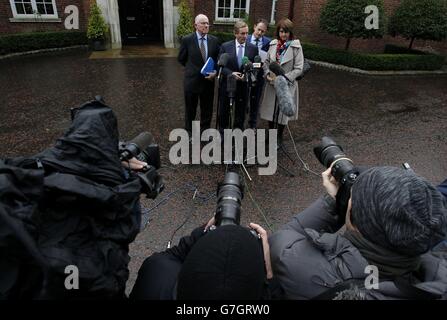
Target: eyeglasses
<point>204,23</point>
<point>284,31</point>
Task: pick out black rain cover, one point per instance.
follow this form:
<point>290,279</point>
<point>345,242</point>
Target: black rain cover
<point>79,210</point>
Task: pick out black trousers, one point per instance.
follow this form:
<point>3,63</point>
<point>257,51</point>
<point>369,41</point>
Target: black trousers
<point>157,278</point>
<point>206,99</point>
<point>255,99</point>
<point>239,105</point>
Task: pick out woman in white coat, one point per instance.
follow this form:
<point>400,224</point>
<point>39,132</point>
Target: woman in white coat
<point>287,52</point>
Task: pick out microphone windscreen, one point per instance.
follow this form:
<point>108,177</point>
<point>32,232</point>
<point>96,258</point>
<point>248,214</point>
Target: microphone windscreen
<point>276,68</point>
<point>245,60</point>
<point>143,140</point>
<point>285,100</point>
<point>223,59</point>
<point>257,59</point>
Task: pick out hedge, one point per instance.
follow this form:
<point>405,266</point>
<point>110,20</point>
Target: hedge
<point>223,36</point>
<point>386,61</point>
<point>22,42</point>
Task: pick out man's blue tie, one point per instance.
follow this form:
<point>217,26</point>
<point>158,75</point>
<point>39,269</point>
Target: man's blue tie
<point>239,56</point>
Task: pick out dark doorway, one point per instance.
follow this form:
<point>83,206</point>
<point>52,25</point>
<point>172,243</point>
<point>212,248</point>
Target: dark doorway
<point>141,21</point>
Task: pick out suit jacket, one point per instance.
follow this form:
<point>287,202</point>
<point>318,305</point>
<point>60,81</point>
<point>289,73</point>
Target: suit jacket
<point>251,51</point>
<point>265,42</point>
<point>191,58</point>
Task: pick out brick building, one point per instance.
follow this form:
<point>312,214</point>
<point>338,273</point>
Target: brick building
<point>17,16</point>
<point>142,21</point>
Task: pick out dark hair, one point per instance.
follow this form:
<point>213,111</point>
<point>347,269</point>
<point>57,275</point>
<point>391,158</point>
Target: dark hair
<point>261,20</point>
<point>286,25</point>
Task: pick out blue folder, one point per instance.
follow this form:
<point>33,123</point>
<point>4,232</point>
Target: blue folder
<point>208,67</point>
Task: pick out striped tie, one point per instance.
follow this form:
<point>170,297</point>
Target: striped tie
<point>202,48</point>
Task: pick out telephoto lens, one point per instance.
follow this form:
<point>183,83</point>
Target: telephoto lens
<point>229,198</point>
<point>328,153</point>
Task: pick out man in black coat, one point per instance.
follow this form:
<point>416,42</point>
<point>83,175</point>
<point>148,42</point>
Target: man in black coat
<point>195,49</point>
<point>236,50</point>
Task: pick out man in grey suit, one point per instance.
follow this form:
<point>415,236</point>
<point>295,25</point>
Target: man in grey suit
<point>195,49</point>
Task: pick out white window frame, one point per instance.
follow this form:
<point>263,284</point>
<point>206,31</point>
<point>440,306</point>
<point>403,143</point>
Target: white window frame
<point>231,19</point>
<point>34,15</point>
<point>272,17</point>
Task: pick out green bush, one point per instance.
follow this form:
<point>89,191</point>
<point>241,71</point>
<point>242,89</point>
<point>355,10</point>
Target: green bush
<point>97,27</point>
<point>346,18</point>
<point>420,19</point>
<point>186,23</point>
<point>380,62</point>
<point>390,48</point>
<point>223,36</point>
<point>22,42</point>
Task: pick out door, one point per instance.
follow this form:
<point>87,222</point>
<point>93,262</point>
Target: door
<point>140,21</point>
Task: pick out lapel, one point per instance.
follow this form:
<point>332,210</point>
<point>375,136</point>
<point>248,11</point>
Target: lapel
<point>288,56</point>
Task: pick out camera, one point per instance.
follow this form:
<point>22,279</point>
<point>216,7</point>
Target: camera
<point>142,148</point>
<point>230,193</point>
<point>343,170</point>
<point>229,198</point>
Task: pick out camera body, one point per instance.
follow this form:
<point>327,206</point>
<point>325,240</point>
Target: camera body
<point>343,170</point>
<point>149,152</point>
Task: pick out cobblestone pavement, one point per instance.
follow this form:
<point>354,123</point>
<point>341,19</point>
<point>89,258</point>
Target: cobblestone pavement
<point>378,120</point>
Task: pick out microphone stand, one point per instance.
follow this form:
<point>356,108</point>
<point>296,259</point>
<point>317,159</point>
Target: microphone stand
<point>216,102</point>
<point>275,126</point>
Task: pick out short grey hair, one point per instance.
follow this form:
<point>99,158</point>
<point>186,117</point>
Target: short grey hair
<point>239,25</point>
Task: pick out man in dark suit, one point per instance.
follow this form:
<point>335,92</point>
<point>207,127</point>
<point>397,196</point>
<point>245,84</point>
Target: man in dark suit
<point>236,50</point>
<point>195,49</point>
<point>262,42</point>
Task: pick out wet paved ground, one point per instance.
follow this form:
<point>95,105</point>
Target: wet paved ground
<point>378,121</point>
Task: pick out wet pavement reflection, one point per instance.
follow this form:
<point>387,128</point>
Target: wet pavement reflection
<point>377,120</point>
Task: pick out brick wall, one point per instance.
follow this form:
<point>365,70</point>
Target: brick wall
<point>7,27</point>
<point>258,9</point>
<point>306,17</point>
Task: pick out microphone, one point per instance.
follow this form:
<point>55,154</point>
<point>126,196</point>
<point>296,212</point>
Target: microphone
<point>136,145</point>
<point>276,69</point>
<point>285,100</point>
<point>222,63</point>
<point>223,59</point>
<point>231,86</point>
<point>257,64</point>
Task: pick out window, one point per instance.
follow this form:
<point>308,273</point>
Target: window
<point>230,10</point>
<point>34,8</point>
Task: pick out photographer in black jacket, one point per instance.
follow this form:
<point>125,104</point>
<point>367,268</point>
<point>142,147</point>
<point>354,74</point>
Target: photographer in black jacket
<point>393,221</point>
<point>226,262</point>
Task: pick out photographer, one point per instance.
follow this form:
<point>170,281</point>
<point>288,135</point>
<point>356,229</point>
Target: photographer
<point>227,263</point>
<point>393,220</point>
<point>74,207</point>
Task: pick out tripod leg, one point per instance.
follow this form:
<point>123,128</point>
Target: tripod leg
<point>291,173</point>
<point>283,149</point>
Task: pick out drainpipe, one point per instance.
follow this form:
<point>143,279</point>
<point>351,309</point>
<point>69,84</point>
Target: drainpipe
<point>291,9</point>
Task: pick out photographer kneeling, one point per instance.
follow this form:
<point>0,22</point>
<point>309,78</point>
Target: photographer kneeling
<point>219,261</point>
<point>223,263</point>
<point>394,219</point>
